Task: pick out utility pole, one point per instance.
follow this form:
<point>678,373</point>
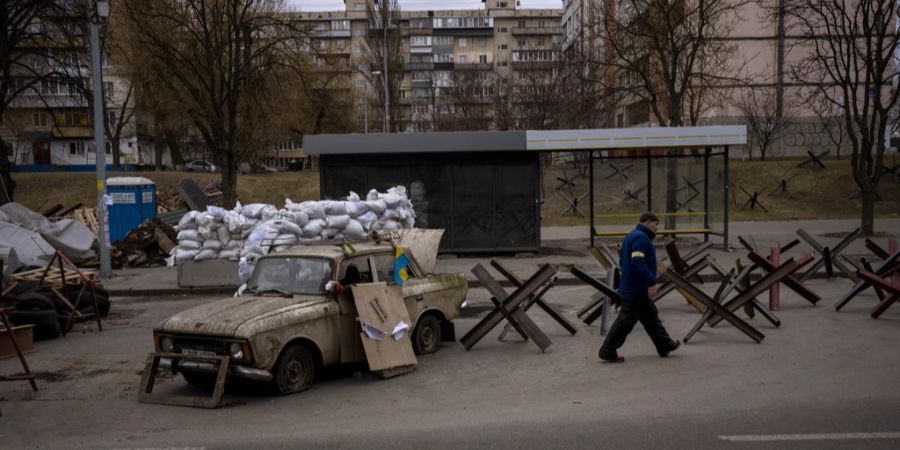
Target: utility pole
<point>101,12</point>
<point>387,97</point>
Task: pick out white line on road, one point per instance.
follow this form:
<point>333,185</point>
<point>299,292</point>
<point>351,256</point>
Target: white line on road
<point>809,437</point>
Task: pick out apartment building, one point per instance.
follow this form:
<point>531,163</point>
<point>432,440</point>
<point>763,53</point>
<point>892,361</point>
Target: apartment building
<point>438,49</point>
<point>755,63</point>
<point>50,124</point>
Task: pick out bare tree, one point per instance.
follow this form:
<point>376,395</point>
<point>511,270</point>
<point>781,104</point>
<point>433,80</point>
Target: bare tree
<point>22,29</point>
<point>831,122</point>
<point>383,47</point>
<point>850,57</point>
<point>658,51</point>
<point>757,106</point>
<point>221,58</point>
<point>469,97</point>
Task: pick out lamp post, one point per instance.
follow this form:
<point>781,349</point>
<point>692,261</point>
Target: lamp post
<point>100,13</point>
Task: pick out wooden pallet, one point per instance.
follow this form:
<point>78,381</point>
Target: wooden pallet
<point>88,216</point>
<point>54,277</point>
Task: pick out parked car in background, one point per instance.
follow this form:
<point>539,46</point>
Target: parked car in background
<point>200,166</point>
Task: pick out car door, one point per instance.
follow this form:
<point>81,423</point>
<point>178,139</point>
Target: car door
<point>348,323</point>
<point>415,291</point>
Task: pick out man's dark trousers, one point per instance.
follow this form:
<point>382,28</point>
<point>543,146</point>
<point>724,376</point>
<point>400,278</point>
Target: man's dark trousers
<point>636,308</point>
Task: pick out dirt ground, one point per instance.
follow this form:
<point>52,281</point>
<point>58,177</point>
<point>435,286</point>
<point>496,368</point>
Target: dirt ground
<point>812,194</point>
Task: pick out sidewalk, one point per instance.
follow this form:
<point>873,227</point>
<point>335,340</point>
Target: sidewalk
<point>563,246</point>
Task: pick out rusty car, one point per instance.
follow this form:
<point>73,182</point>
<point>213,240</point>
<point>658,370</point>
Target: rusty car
<point>287,325</point>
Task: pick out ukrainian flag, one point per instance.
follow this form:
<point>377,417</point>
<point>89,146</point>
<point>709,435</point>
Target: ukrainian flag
<point>400,263</point>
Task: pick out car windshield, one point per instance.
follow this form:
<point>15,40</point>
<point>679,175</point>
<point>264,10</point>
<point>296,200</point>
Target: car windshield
<point>291,275</point>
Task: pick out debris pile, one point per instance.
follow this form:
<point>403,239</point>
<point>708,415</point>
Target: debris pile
<point>147,245</point>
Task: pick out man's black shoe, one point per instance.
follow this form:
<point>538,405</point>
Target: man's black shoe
<point>613,358</point>
<point>673,345</point>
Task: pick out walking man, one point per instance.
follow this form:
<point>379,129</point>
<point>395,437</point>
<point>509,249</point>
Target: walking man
<point>638,288</point>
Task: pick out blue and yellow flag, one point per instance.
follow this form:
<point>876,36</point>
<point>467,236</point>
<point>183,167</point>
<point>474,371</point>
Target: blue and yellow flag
<point>400,263</point>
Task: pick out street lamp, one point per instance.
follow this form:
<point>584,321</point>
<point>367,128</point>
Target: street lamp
<point>98,16</point>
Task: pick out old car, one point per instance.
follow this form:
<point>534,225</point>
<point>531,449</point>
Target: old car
<point>286,326</point>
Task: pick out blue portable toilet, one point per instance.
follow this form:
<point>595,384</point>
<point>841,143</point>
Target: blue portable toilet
<point>133,202</point>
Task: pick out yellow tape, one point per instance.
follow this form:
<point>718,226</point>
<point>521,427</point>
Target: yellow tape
<point>637,254</point>
<point>99,185</point>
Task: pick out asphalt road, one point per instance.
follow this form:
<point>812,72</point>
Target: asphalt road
<point>823,380</point>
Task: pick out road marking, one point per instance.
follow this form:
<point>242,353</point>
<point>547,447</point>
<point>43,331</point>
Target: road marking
<point>809,437</point>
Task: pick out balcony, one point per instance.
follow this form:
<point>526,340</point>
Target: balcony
<point>419,66</point>
<point>333,33</point>
<point>533,65</point>
<point>536,31</point>
<point>473,66</point>
<point>422,49</point>
<point>463,32</point>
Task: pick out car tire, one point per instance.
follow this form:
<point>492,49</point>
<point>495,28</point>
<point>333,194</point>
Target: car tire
<point>45,322</point>
<point>200,380</point>
<point>295,370</point>
<point>427,335</point>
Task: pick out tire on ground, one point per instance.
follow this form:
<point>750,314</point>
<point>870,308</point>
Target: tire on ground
<point>46,325</point>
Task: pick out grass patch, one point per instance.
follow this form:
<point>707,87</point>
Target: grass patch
<point>814,194</point>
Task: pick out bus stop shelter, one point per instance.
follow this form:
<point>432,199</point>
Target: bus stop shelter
<point>484,187</point>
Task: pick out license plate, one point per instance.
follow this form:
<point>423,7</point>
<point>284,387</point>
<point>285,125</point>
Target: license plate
<point>192,352</point>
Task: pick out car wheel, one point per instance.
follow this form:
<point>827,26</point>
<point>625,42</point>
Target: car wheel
<point>427,335</point>
<point>201,380</point>
<point>295,371</point>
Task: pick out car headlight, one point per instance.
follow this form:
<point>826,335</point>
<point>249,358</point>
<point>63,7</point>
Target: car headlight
<point>236,351</point>
<point>167,345</point>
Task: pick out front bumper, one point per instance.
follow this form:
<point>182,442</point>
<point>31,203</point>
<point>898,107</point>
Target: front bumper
<point>234,370</point>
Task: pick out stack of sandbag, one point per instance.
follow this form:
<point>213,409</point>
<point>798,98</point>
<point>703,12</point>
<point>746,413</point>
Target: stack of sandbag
<point>205,235</point>
<point>251,231</point>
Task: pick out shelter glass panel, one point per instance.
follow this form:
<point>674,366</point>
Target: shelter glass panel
<point>473,214</point>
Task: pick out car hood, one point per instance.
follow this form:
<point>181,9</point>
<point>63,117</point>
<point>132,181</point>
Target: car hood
<point>224,317</point>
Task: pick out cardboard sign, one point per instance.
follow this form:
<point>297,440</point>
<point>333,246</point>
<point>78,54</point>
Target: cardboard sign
<point>386,326</point>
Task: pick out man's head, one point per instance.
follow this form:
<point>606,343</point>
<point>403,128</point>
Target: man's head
<point>649,220</point>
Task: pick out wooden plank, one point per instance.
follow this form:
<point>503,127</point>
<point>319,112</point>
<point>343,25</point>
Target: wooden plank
<point>381,306</point>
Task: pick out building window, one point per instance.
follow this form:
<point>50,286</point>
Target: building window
<point>359,49</point>
<point>482,59</point>
<point>76,148</point>
<point>39,119</point>
<point>340,43</point>
<point>105,60</point>
<point>502,47</point>
<point>340,24</point>
<point>502,30</point>
<point>35,61</point>
<point>463,43</point>
<point>521,42</point>
<point>320,26</point>
<point>321,44</point>
<point>443,58</point>
<point>111,119</point>
<point>501,4</point>
<point>420,40</point>
<point>359,6</point>
<point>109,89</point>
<point>502,63</point>
<point>443,40</point>
<point>522,24</point>
<point>361,83</point>
<point>360,32</point>
<point>462,59</point>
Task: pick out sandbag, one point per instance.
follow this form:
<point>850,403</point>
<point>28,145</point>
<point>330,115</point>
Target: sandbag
<point>376,206</point>
<point>229,254</point>
<point>313,228</point>
<point>223,235</point>
<point>188,235</point>
<point>212,245</point>
<point>356,208</point>
<point>354,230</point>
<point>205,254</point>
<point>337,221</point>
<point>367,219</point>
<point>183,254</point>
<point>189,244</point>
<point>299,217</point>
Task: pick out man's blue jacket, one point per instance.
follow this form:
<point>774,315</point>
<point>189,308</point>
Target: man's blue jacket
<point>638,262</point>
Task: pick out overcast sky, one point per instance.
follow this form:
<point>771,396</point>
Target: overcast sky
<point>338,5</point>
